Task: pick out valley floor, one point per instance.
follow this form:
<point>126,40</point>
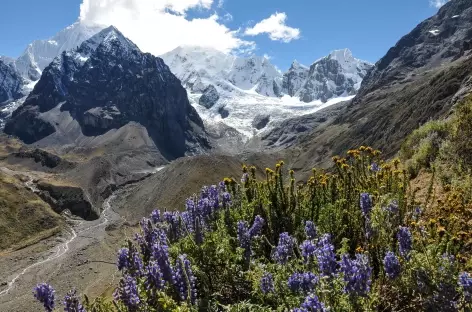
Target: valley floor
<point>82,256</point>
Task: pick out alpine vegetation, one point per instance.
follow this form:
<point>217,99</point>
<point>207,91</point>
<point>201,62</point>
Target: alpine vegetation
<point>354,239</point>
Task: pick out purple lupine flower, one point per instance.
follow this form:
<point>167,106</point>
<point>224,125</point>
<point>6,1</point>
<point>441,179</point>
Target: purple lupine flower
<point>72,302</point>
<point>185,280</point>
<point>267,283</point>
<point>284,250</point>
<point>308,250</point>
<point>226,199</point>
<point>326,256</point>
<point>191,210</point>
<point>172,220</point>
<point>312,304</point>
<point>127,293</point>
<point>187,222</point>
<point>160,253</point>
<point>245,178</point>
<point>304,282</point>
<point>191,279</point>
<point>204,210</point>
<point>149,232</point>
<point>366,204</point>
<point>44,293</point>
<point>244,239</point>
<point>222,186</point>
<point>465,282</point>
<point>156,216</point>
<point>154,277</point>
<point>129,261</point>
<point>393,207</point>
<point>374,167</point>
<point>256,228</point>
<point>391,265</point>
<point>310,230</point>
<point>417,213</point>
<point>357,274</point>
<point>404,242</point>
<point>123,256</point>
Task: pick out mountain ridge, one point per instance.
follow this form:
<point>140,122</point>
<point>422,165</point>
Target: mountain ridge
<point>76,89</point>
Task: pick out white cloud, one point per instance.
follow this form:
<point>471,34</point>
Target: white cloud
<point>275,27</point>
<point>158,26</point>
<point>438,3</point>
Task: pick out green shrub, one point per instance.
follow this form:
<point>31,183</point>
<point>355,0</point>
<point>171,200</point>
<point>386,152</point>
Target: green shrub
<point>350,240</point>
<point>422,147</point>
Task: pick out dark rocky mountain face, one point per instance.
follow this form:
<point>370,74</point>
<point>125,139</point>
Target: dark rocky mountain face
<point>11,83</point>
<point>105,84</point>
<point>421,78</point>
<point>441,38</point>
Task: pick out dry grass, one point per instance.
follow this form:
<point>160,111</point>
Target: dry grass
<point>24,217</point>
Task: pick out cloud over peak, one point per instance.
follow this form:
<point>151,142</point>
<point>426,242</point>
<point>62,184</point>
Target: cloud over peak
<point>275,28</point>
<point>158,26</point>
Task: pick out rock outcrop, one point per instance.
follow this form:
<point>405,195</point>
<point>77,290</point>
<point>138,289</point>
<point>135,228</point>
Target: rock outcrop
<point>209,97</point>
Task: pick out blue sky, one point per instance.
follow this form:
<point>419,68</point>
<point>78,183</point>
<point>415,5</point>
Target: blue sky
<point>312,27</point>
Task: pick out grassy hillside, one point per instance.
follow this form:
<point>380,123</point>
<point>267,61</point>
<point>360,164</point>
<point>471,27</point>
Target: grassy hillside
<point>24,217</point>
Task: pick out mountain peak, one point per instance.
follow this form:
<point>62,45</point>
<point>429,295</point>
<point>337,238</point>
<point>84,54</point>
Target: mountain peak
<point>107,37</point>
<point>296,65</point>
<point>343,55</point>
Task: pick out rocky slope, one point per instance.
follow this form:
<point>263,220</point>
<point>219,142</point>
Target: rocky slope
<point>99,88</point>
<point>419,79</point>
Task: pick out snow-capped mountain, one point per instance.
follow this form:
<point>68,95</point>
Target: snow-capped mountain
<point>199,67</point>
<point>337,75</point>
<point>106,85</point>
<point>238,91</point>
<point>40,53</point>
